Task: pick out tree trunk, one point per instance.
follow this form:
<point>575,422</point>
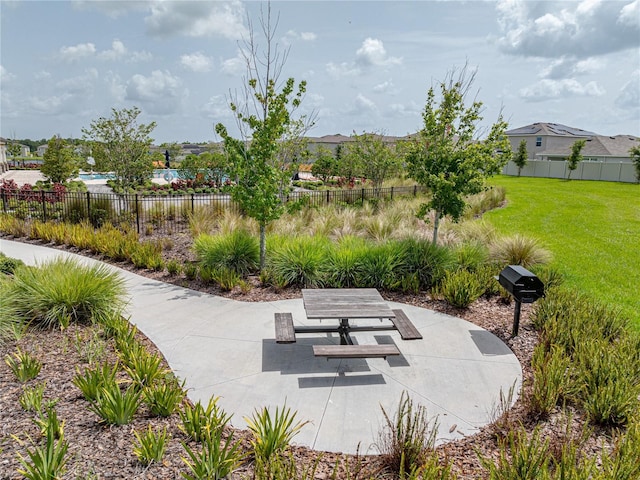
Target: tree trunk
<point>263,245</point>
<point>436,224</point>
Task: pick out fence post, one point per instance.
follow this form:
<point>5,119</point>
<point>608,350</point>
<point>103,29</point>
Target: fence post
<point>193,201</point>
<point>4,199</point>
<point>88,205</point>
<point>391,193</point>
<point>137,215</point>
<point>44,208</point>
<point>415,190</point>
<point>328,191</point>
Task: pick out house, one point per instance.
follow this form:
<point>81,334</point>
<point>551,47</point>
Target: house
<point>549,146</point>
<point>553,142</point>
<point>40,151</point>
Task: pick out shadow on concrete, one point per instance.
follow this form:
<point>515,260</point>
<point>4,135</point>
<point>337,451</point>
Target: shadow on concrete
<point>488,343</point>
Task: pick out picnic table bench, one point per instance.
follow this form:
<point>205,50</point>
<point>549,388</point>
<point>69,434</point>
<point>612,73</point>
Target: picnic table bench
<point>344,305</point>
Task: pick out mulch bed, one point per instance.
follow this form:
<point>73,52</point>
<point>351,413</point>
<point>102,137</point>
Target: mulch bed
<point>98,451</point>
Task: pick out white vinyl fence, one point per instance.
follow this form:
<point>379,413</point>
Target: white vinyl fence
<point>610,172</point>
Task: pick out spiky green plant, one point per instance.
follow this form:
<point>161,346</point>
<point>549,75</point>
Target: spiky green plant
<point>23,365</point>
<point>297,261</point>
<point>46,461</point>
<point>460,288</point>
<point>164,397</point>
<point>64,290</point>
<point>200,423</point>
<point>519,250</point>
<point>92,380</point>
<point>114,406</point>
<point>217,459</point>
<point>150,446</point>
<point>272,433</point>
<point>238,251</point>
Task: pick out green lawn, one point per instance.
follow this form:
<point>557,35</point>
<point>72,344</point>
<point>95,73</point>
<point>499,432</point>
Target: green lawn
<point>592,229</point>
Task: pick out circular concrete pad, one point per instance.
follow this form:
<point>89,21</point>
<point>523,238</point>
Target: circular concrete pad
<point>225,348</point>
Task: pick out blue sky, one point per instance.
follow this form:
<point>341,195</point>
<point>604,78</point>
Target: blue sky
<point>368,65</point>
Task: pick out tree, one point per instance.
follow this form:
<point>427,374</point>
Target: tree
<point>324,165</point>
<point>350,166</point>
<point>575,157</point>
<point>446,157</point>
<point>124,145</point>
<point>634,152</point>
<point>377,158</point>
<point>59,161</point>
<point>13,149</point>
<point>268,130</point>
<point>521,156</point>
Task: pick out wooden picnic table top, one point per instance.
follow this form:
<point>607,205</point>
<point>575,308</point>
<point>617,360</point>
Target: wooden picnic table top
<point>345,303</point>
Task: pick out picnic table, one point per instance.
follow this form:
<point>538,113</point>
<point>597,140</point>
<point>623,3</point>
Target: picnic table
<point>339,307</point>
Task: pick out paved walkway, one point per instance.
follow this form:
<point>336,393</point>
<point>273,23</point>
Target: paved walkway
<point>226,348</point>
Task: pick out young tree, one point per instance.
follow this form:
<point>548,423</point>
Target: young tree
<point>206,167</point>
<point>446,157</point>
<point>634,152</point>
<point>378,159</point>
<point>124,145</point>
<point>521,156</point>
<point>350,165</point>
<point>324,165</point>
<point>266,122</point>
<point>576,156</point>
<point>59,161</point>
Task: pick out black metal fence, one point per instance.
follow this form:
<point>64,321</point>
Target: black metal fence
<point>161,213</point>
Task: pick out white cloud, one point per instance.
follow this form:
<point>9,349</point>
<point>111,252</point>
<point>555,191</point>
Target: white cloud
<point>113,9</point>
<point>161,92</point>
<point>82,85</point>
<point>547,89</point>
<point>196,62</point>
<point>292,35</point>
<point>217,108</point>
<point>76,52</point>
<point>363,103</point>
<point>570,67</point>
<point>5,75</point>
<point>629,96</point>
<point>197,19</point>
<point>42,75</point>
<point>556,29</point>
<point>344,69</point>
<point>386,87</point>
<point>120,51</point>
<point>234,66</point>
<point>373,53</point>
<point>116,87</point>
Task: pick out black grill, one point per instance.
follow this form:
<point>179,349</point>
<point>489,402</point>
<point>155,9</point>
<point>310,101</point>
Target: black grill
<point>523,285</point>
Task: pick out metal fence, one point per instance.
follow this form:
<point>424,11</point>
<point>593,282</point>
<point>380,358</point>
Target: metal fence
<point>161,213</point>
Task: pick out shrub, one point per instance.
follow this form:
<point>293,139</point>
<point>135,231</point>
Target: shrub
<point>150,446</point>
<point>114,406</point>
<point>216,460</point>
<point>519,250</point>
<point>92,380</point>
<point>408,436</point>
<point>237,251</point>
<point>272,434</point>
<point>344,262</point>
<point>379,266</point>
<point>45,461</point>
<point>429,262</point>
<point>164,397</point>
<point>23,365</point>
<point>460,288</point>
<point>64,290</point>
<point>550,379</point>
<point>8,265</point>
<point>31,398</point>
<point>200,423</point>
<point>471,256</point>
<point>297,261</point>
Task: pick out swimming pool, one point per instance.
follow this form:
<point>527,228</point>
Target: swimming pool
<point>110,175</point>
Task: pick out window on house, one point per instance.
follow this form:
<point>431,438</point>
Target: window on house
<point>538,141</point>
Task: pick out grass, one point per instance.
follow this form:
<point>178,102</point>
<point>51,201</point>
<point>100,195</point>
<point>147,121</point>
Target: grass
<point>591,228</point>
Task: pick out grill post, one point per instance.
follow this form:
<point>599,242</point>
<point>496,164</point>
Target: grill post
<point>516,318</point>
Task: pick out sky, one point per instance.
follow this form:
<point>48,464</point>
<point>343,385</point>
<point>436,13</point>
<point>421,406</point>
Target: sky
<point>368,64</point>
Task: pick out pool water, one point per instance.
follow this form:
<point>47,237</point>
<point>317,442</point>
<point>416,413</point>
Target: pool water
<point>109,175</point>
